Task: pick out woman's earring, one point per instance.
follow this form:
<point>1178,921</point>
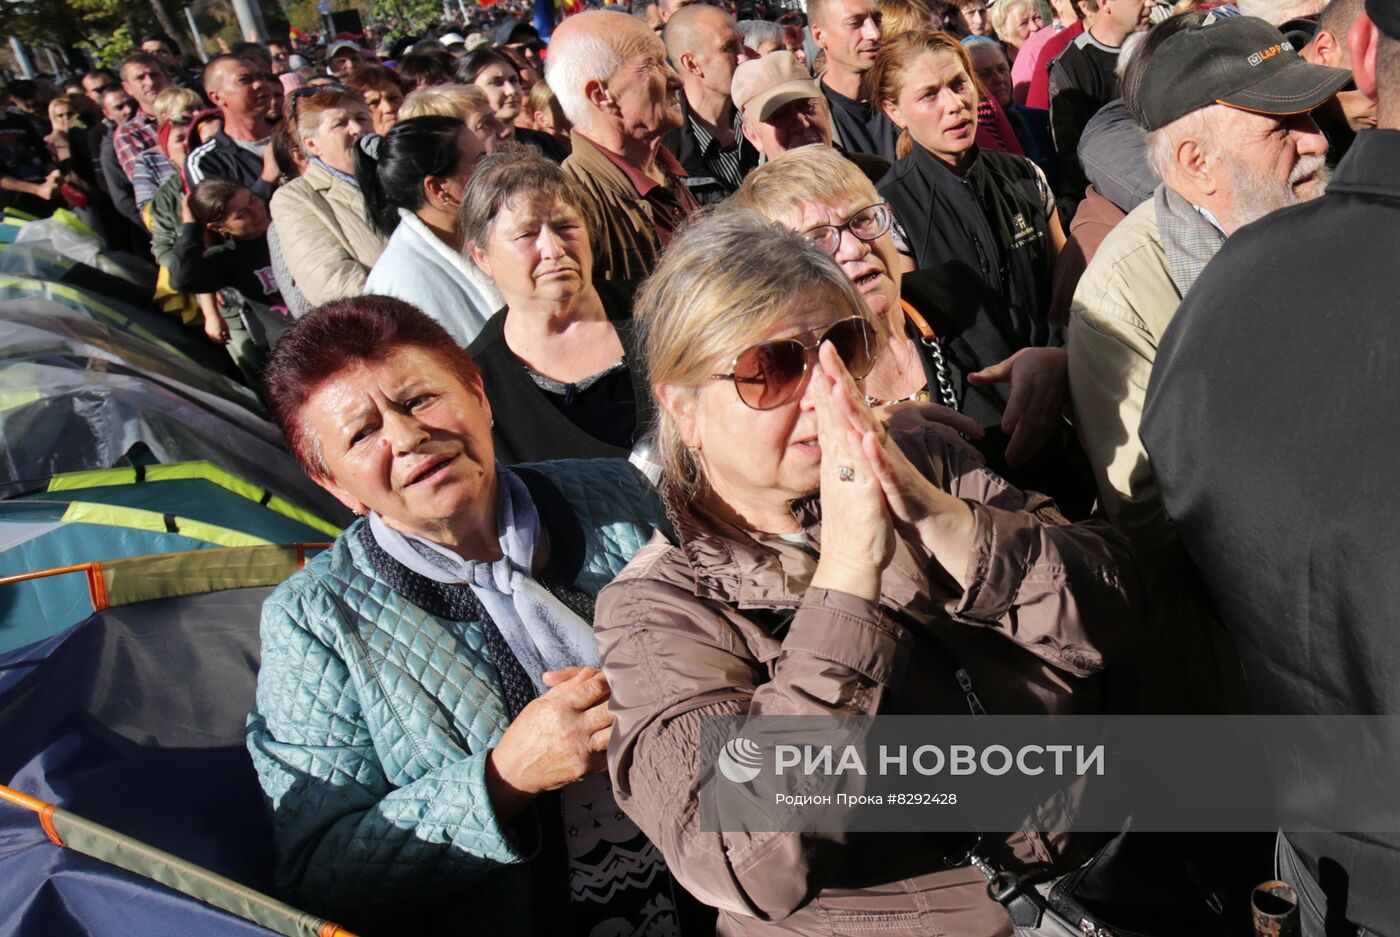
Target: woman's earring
<point>693,450</point>
<point>493,422</point>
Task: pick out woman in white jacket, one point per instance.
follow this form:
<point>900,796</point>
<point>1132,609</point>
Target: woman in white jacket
<point>412,179</point>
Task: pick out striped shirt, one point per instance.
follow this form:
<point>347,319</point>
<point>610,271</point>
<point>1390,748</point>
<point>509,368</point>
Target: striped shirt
<point>721,161</point>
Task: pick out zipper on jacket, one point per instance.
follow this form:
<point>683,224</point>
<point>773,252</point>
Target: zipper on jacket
<point>973,702</point>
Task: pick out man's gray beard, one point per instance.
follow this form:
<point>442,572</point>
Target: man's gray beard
<point>1256,195</point>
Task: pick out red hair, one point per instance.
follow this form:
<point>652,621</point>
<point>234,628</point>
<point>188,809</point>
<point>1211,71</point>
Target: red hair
<point>332,337</point>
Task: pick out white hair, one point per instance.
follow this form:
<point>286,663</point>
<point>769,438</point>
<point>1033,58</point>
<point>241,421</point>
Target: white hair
<point>1127,51</point>
<point>573,61</point>
<point>1198,125</point>
<point>1278,12</point>
<point>757,32</point>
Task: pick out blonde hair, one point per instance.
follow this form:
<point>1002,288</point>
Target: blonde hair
<point>540,98</point>
<point>886,77</point>
<point>1002,10</point>
<point>460,101</point>
<point>172,99</point>
<point>726,281</point>
<point>807,174</point>
<point>902,16</point>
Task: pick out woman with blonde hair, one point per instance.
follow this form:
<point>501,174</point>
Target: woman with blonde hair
<point>174,108</point>
<point>1014,22</point>
<point>468,104</point>
<point>823,566</point>
<point>902,16</point>
<point>956,201</point>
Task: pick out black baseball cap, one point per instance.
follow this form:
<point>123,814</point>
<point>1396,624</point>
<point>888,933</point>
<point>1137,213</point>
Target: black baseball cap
<point>1239,61</point>
<point>1386,15</point>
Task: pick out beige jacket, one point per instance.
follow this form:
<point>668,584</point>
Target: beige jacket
<point>1122,306</point>
<point>327,242</point>
<point>688,633</point>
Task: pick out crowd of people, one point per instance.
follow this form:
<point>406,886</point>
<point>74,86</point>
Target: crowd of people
<point>890,357</point>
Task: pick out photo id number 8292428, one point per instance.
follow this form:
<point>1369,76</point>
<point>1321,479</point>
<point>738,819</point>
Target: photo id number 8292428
<point>922,799</point>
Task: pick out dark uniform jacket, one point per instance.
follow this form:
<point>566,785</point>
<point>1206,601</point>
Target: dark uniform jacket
<point>1271,421</point>
<point>992,218</point>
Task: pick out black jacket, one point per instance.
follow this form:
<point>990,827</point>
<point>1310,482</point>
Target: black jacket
<point>222,158</point>
<point>119,187</point>
<point>971,328</point>
<point>992,218</point>
<point>1271,421</point>
<point>241,265</point>
<point>705,186</point>
<point>529,427</point>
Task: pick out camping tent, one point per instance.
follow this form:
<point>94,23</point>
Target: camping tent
<point>76,394</point>
<point>143,509</point>
<point>132,721</point>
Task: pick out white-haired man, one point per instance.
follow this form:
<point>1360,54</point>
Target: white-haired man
<point>1226,107</point>
<point>1271,422</point>
<point>610,75</point>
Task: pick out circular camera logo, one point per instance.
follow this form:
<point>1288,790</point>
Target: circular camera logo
<point>740,760</point>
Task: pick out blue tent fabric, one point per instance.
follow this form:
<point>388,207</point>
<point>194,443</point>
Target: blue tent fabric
<point>49,891</point>
<point>35,534</point>
<point>134,719</point>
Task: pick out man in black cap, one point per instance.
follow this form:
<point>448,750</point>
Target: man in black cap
<point>1225,104</point>
<point>1271,423</point>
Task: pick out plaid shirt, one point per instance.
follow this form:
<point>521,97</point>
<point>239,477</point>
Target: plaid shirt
<point>132,139</point>
<point>1189,238</point>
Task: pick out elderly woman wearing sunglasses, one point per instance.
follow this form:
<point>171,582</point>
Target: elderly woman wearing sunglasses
<point>953,340</point>
<point>826,567</point>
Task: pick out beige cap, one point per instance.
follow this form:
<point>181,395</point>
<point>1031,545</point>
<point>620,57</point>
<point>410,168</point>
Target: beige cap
<point>763,85</point>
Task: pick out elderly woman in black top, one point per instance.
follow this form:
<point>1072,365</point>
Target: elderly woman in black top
<point>561,369</point>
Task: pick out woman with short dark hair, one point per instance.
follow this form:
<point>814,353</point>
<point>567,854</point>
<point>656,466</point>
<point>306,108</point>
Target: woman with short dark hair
<point>222,245</point>
<point>412,180</point>
<point>430,723</point>
<point>383,91</point>
<point>560,359</point>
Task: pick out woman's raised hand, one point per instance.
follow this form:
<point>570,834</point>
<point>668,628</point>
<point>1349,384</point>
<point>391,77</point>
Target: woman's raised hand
<point>857,530</point>
<point>557,739</point>
<point>942,523</point>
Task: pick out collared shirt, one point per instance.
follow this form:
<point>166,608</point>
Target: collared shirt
<point>670,201</point>
<point>722,161</point>
<point>132,139</point>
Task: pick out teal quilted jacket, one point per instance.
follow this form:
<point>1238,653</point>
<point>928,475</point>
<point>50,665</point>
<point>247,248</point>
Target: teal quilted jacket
<point>374,718</point>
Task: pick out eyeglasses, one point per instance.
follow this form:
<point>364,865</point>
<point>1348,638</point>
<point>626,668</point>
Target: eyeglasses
<point>180,120</point>
<point>773,373</point>
<point>868,224</point>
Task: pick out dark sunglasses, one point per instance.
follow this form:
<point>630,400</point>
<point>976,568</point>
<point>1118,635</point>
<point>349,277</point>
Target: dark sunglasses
<point>773,373</point>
